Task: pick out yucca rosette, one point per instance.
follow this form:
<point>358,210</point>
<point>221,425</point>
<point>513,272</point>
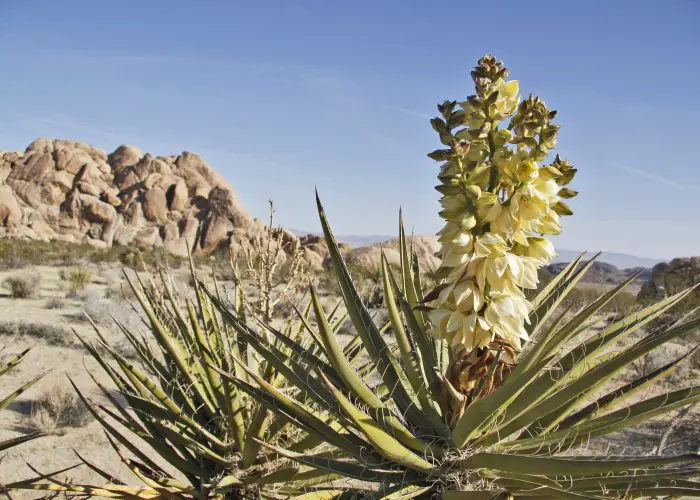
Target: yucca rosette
<point>499,202</point>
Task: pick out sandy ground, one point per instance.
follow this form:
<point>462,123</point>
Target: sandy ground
<point>57,352</point>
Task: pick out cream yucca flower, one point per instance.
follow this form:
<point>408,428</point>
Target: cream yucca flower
<point>498,201</point>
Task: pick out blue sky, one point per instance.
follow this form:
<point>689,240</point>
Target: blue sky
<point>284,96</point>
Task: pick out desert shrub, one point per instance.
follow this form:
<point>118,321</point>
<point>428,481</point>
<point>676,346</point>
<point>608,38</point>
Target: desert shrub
<point>23,286</point>
<point>18,253</point>
<point>57,408</point>
<point>55,303</point>
<point>51,333</point>
<point>78,278</point>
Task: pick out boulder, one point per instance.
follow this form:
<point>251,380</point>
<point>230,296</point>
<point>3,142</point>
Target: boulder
<point>10,211</point>
<point>216,230</point>
<point>169,231</point>
<point>87,188</point>
<point>148,236</point>
<point>155,205</point>
<point>177,196</point>
<point>124,156</point>
<point>95,210</point>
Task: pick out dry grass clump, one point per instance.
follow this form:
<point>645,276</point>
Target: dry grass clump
<point>23,286</point>
<point>52,334</point>
<point>55,303</point>
<point>58,408</point>
<point>78,278</point>
<point>17,253</point>
<point>275,266</point>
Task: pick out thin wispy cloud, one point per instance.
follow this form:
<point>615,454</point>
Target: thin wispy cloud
<point>654,177</point>
<point>407,111</point>
<point>68,123</point>
<point>56,125</point>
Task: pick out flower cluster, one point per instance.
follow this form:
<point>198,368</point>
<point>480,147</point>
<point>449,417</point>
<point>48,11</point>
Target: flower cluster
<point>498,201</point>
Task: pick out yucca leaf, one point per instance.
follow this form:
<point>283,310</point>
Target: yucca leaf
<point>594,378</point>
<point>299,413</point>
<point>174,349</point>
<point>582,355</point>
<point>403,492</point>
<point>118,435</point>
<point>148,477</point>
<point>612,422</point>
<point>355,384</point>
<point>11,363</point>
<point>384,443</point>
<point>106,475</point>
<point>622,394</point>
<point>421,338</point>
<point>163,398</point>
<point>550,288</point>
<point>577,323</point>
<point>410,357</point>
<point>7,400</point>
<point>636,479</point>
<point>665,491</point>
<point>542,312</point>
<point>473,495</point>
<point>566,397</point>
<point>9,443</point>
<point>409,286</point>
<point>365,327</point>
<point>322,495</point>
<point>574,466</point>
<point>344,468</point>
<point>303,477</point>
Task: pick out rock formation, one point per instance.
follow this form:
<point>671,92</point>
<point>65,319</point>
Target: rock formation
<point>671,277</point>
<point>65,190</point>
<point>369,256</point>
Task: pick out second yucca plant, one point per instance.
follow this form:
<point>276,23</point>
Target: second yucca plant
<point>180,424</point>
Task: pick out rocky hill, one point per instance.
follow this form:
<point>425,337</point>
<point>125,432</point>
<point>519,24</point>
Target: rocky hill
<point>671,277</point>
<point>71,191</point>
<point>602,272</point>
<point>65,190</point>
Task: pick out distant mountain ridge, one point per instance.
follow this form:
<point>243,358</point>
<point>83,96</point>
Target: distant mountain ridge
<point>619,260</point>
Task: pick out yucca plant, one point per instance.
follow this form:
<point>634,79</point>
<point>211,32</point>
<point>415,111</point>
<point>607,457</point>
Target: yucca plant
<point>185,430</point>
<point>485,390</point>
<point>5,367</point>
<point>480,388</point>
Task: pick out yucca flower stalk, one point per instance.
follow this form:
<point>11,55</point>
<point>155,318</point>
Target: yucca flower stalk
<point>499,203</point>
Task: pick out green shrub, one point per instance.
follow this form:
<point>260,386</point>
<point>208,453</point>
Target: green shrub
<point>78,278</point>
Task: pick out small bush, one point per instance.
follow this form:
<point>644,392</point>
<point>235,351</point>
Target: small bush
<point>53,334</point>
<point>23,286</point>
<point>56,409</point>
<point>55,303</point>
<point>78,278</point>
<point>16,253</point>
